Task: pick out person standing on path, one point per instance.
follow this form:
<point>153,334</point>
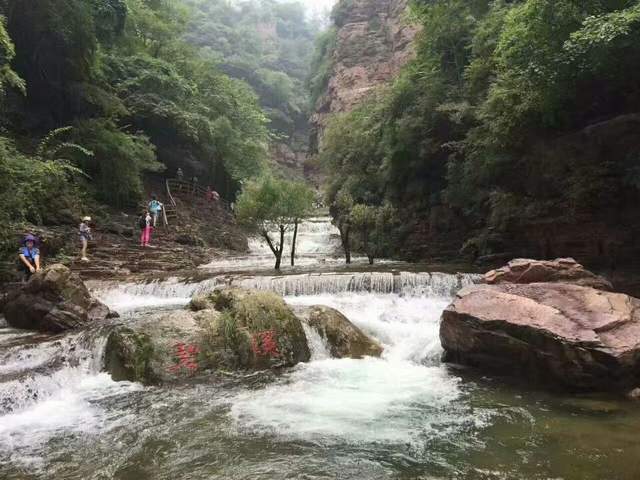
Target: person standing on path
<point>29,257</point>
<point>180,177</point>
<point>85,235</point>
<point>155,207</point>
<point>194,183</point>
<point>145,223</point>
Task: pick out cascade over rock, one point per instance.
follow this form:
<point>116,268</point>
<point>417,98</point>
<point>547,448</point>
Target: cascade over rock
<point>577,337</point>
<point>54,300</point>
<point>343,337</point>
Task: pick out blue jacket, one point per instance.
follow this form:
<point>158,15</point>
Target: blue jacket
<point>30,255</point>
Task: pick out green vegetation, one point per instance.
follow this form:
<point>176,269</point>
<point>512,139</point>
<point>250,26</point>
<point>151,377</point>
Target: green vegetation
<point>233,338</point>
<point>268,44</point>
<point>491,119</point>
<point>116,92</point>
<point>269,204</point>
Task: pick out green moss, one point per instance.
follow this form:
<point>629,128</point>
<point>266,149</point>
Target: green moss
<point>128,356</point>
<point>246,314</point>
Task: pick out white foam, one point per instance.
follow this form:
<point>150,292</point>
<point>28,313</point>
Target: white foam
<point>404,397</point>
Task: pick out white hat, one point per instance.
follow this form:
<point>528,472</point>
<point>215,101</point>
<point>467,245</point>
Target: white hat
<point>86,219</point>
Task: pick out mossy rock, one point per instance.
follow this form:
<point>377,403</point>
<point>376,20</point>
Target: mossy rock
<point>128,356</point>
<point>344,339</point>
<point>149,350</point>
<point>258,328</point>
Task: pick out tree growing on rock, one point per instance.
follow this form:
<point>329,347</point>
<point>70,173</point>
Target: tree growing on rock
<point>269,204</point>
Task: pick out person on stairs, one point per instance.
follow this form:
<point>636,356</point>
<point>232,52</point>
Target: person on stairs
<point>85,235</point>
<point>145,223</point>
<point>155,208</point>
<point>29,257</point>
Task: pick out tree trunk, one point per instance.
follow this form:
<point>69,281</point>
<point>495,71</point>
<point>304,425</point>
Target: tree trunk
<point>280,249</point>
<point>345,233</point>
<point>276,251</point>
<point>293,244</point>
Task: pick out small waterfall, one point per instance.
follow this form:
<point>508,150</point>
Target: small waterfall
<point>132,296</point>
<point>402,283</point>
<point>317,345</point>
<point>34,368</point>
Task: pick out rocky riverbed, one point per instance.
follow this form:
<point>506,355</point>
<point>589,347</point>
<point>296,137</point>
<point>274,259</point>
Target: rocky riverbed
<point>322,375</point>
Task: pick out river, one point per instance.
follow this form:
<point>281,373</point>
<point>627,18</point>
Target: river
<point>403,416</point>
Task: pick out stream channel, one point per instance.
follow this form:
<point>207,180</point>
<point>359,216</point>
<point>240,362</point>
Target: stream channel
<point>403,416</point>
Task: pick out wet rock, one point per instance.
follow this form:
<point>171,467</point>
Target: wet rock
<point>128,356</point>
<point>201,302</point>
<point>343,337</point>
<point>259,328</point>
<point>190,239</point>
<point>150,351</point>
<point>564,270</point>
<point>247,331</point>
<point>577,337</point>
<point>54,300</point>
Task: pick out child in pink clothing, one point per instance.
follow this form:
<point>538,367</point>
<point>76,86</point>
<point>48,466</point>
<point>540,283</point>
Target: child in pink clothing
<point>145,223</point>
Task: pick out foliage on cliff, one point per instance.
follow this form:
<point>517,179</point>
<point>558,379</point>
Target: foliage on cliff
<point>266,43</point>
<point>119,84</point>
<point>474,122</point>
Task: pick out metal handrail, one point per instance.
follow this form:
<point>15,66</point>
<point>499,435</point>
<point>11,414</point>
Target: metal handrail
<point>189,187</point>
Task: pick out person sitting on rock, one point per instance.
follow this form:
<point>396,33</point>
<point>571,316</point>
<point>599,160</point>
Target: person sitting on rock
<point>85,235</point>
<point>29,257</point>
<point>155,207</point>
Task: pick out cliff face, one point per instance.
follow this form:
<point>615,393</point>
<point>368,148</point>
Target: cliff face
<point>374,41</point>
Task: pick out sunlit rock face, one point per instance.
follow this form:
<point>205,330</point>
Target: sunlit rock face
<point>374,41</point>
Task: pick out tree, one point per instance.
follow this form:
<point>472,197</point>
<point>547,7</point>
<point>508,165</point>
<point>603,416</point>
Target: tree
<point>373,223</point>
<point>269,204</point>
<point>341,212</point>
<point>299,199</point>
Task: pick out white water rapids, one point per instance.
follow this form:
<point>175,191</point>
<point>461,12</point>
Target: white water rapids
<point>402,416</point>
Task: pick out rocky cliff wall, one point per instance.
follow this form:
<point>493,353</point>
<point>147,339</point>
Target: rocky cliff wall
<point>374,41</point>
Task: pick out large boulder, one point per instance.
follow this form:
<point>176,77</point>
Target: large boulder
<point>225,330</point>
<point>54,300</point>
<point>343,338</point>
<point>573,336</point>
<point>561,270</point>
<point>259,328</point>
<point>159,348</point>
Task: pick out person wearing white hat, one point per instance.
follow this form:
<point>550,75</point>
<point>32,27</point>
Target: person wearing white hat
<point>85,236</point>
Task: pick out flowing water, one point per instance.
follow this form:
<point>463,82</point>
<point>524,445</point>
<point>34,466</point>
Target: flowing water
<point>403,416</point>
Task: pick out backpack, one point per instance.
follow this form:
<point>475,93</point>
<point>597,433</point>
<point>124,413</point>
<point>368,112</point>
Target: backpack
<point>142,222</point>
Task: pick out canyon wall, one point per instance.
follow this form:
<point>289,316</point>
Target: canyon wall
<point>374,41</point>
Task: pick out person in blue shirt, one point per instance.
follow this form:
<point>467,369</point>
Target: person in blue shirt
<point>29,256</point>
<point>155,207</point>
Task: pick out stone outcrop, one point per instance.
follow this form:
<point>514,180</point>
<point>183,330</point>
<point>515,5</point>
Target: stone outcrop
<point>344,339</point>
<point>561,270</point>
<point>54,300</point>
<point>226,330</point>
<point>374,41</point>
<point>569,335</point>
<point>260,328</point>
<point>159,349</point>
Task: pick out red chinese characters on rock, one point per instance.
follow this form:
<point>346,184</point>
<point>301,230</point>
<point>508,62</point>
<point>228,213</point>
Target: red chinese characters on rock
<point>264,344</point>
<point>186,358</point>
